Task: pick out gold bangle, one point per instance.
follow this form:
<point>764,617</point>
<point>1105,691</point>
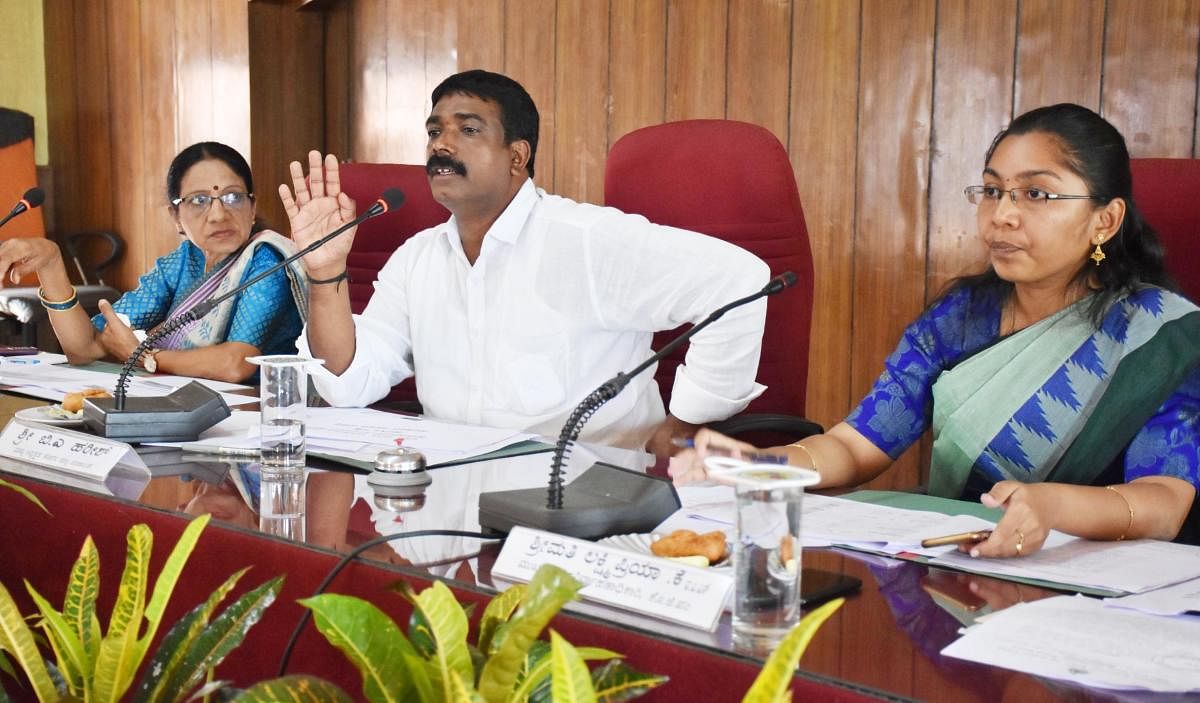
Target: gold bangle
<point>60,304</point>
<point>1129,507</point>
<point>812,460</point>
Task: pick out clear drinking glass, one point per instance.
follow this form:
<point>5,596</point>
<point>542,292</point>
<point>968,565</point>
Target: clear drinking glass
<point>283,402</point>
<point>281,504</point>
<point>766,552</point>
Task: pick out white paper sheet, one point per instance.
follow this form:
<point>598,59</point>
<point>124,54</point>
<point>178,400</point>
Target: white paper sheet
<point>1172,600</point>
<point>360,434</point>
<point>53,382</point>
<point>1075,638</point>
<point>1132,566</point>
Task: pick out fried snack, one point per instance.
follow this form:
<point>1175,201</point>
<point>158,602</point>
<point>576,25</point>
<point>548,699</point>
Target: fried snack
<point>787,550</point>
<point>686,543</point>
<point>73,402</point>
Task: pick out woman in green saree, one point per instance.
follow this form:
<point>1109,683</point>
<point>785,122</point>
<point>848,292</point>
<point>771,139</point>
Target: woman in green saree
<point>1062,384</point>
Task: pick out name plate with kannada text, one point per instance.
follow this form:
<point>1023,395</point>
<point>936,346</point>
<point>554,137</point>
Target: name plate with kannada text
<point>646,584</point>
<point>65,450</point>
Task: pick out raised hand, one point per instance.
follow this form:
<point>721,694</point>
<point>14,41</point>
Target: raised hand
<point>318,208</point>
<point>24,255</point>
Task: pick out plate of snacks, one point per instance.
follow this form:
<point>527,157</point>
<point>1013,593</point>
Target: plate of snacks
<point>68,413</point>
<point>686,546</point>
<point>51,415</point>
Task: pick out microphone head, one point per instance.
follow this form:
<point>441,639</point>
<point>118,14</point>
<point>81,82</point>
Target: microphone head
<point>34,197</point>
<point>787,279</point>
<point>392,198</point>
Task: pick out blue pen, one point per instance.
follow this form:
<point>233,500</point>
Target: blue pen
<point>752,457</point>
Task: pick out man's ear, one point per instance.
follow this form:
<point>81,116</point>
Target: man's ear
<point>519,155</point>
<point>1110,218</point>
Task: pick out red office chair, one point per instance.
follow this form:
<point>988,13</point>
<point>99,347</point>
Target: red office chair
<point>378,237</point>
<point>1167,191</point>
<point>731,180</point>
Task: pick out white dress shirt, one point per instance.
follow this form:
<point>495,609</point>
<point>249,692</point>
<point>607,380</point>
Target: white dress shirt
<point>562,297</point>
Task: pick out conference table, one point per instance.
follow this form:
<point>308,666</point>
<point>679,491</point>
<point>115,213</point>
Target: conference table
<point>883,643</point>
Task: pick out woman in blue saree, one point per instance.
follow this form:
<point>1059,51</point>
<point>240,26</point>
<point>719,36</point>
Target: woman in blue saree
<point>211,200</point>
<point>1062,384</point>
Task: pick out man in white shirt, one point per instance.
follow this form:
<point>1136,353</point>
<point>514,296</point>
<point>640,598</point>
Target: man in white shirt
<point>523,302</point>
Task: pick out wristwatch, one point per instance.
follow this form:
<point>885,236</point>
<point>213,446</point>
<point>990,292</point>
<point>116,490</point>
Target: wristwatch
<point>149,362</point>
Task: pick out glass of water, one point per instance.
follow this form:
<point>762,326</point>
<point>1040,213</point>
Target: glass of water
<point>281,504</point>
<point>766,552</point>
<point>283,402</point>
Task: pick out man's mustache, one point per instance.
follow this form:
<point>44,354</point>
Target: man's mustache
<point>438,162</point>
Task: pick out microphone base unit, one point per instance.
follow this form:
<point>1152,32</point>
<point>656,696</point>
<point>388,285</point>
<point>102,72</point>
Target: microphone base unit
<point>605,500</point>
<point>178,417</point>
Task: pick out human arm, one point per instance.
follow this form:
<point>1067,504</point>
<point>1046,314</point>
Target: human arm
<point>76,335</point>
<point>1152,507</point>
<point>842,456</point>
<point>319,207</point>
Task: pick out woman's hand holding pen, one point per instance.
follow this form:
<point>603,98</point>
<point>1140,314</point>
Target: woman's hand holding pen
<point>1023,528</point>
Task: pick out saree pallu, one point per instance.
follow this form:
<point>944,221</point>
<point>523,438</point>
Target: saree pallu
<point>1060,400</point>
<point>212,328</point>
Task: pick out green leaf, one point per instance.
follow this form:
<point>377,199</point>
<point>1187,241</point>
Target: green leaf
<point>773,684</point>
<point>79,606</point>
<point>459,692</point>
<point>165,663</point>
<point>298,688</point>
<point>570,679</point>
<point>497,612</point>
<point>117,661</point>
<point>164,585</point>
<point>23,491</point>
<point>448,626</point>
<point>68,650</point>
<point>421,672</point>
<point>17,639</point>
<point>222,636</point>
<point>549,589</point>
<point>617,681</point>
<point>538,670</point>
<point>371,641</point>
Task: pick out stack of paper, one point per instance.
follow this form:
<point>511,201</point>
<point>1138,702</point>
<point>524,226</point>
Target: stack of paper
<point>1075,638</point>
<point>359,434</point>
<point>53,382</point>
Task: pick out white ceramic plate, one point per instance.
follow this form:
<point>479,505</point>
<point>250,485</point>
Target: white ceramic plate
<point>50,415</point>
<point>640,543</point>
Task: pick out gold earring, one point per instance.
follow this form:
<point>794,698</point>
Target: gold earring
<point>1097,254</point>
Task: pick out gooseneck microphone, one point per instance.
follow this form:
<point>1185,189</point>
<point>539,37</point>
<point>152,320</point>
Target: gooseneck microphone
<point>33,197</point>
<point>184,413</point>
<point>610,500</point>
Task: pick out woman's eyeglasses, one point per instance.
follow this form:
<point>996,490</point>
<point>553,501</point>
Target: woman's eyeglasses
<point>198,204</point>
<point>1022,197</point>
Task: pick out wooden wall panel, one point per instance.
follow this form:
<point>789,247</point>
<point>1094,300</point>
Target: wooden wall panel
<point>285,123</point>
<point>823,148</point>
<point>530,56</point>
<point>696,58</point>
<point>481,35</point>
<point>1152,43</point>
<point>759,68</point>
<point>368,81</point>
<point>581,141</point>
<point>1059,48</point>
<point>972,101</point>
<point>895,96</point>
<point>637,65</point>
<point>885,106</point>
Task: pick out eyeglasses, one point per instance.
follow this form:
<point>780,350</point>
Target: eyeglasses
<point>198,204</point>
<point>1025,197</point>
